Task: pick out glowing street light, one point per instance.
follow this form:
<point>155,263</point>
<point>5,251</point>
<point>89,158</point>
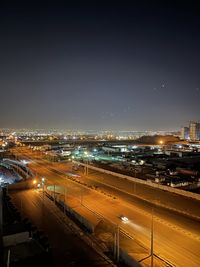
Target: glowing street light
<point>161,142</point>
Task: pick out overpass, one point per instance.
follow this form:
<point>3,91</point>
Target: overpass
<point>17,167</point>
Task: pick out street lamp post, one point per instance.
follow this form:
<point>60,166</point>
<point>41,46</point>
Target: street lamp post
<point>152,238</point>
<point>134,184</point>
<point>54,193</point>
<point>116,243</point>
<point>64,198</point>
<point>43,180</point>
<point>86,166</point>
<point>114,246</point>
<point>81,196</point>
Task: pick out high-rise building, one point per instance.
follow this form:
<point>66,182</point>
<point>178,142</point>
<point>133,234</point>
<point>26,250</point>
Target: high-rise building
<point>194,131</point>
<point>184,133</point>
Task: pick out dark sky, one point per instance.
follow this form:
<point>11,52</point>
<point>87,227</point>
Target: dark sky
<point>123,65</point>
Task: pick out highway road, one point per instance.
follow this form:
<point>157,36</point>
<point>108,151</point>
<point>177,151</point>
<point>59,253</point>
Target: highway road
<point>176,237</point>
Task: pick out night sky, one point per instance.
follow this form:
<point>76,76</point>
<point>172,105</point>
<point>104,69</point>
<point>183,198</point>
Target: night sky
<point>123,65</point>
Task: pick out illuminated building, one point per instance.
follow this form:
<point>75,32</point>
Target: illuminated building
<point>184,133</point>
<point>194,131</point>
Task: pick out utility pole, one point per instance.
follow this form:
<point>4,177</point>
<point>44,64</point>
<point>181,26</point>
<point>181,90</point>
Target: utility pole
<point>87,167</point>
<point>134,187</point>
<point>8,259</point>
<point>117,243</point>
<point>152,239</point>
<point>43,184</point>
<point>21,206</point>
<point>54,193</point>
<point>64,198</point>
<point>85,170</point>
<point>43,193</point>
<point>81,196</point>
<point>1,226</point>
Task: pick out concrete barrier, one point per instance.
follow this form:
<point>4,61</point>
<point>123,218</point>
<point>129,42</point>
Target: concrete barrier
<point>148,183</point>
<point>49,190</point>
<point>25,184</point>
<point>82,220</point>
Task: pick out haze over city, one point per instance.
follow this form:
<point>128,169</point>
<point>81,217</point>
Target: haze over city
<point>103,65</point>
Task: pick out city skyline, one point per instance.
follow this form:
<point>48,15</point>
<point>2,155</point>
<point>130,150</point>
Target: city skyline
<point>100,66</point>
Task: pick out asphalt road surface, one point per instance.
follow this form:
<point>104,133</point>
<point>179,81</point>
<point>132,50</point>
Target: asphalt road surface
<point>176,236</point>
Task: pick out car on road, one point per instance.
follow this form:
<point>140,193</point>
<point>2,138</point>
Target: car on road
<point>71,174</point>
<point>123,218</point>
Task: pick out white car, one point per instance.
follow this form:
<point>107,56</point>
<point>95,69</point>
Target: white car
<point>124,218</point>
